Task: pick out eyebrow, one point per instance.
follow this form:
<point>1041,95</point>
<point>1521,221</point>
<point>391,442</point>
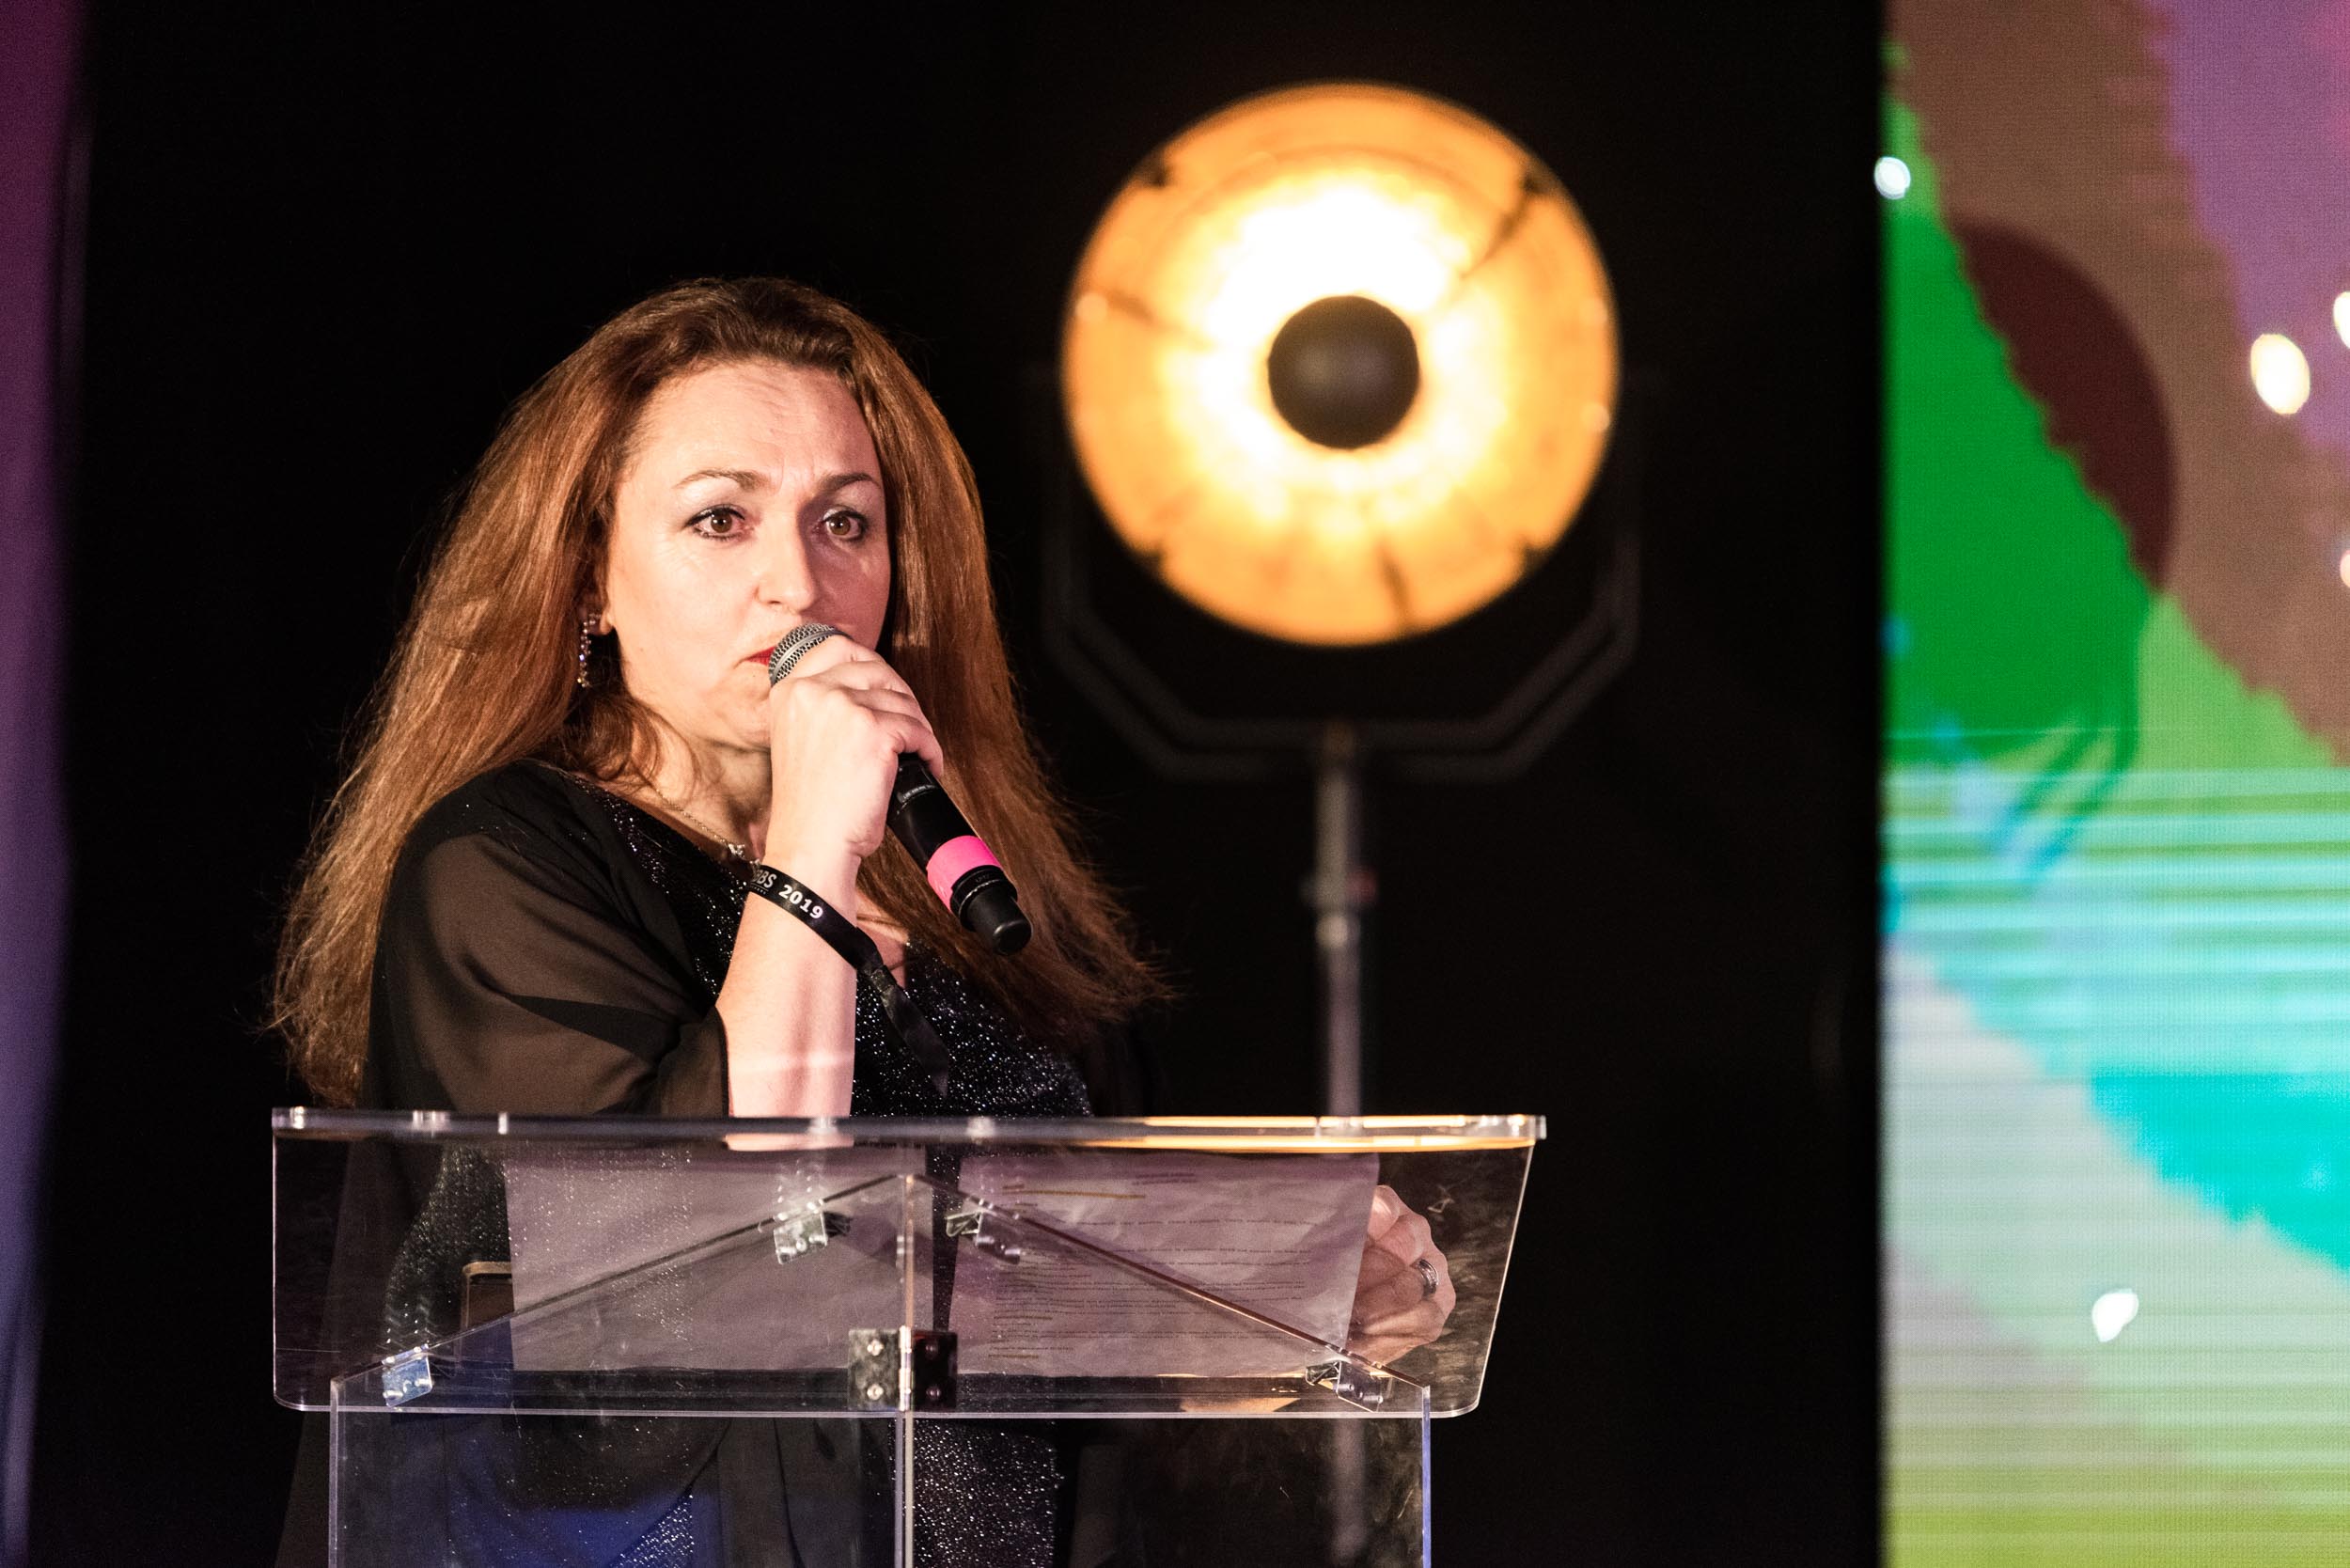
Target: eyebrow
<point>744,478</point>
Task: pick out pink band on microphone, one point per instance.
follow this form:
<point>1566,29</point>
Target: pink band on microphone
<point>954,857</point>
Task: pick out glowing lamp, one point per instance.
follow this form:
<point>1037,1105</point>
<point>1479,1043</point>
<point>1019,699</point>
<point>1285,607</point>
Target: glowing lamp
<point>1339,362</point>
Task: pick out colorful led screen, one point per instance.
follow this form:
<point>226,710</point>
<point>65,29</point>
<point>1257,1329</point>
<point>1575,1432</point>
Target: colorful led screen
<point>2116,803</point>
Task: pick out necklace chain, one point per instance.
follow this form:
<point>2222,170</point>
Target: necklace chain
<point>740,850</point>
<point>741,853</point>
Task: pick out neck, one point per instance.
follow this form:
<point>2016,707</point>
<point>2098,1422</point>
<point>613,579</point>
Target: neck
<point>727,791</point>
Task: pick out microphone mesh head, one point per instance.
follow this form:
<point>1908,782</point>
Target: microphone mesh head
<point>795,642</point>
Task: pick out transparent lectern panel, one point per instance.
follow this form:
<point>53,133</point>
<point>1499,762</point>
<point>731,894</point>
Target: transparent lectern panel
<point>620,1342</point>
<point>731,1310</point>
<point>1173,1494</point>
<point>1264,1225</point>
<point>551,1492</point>
<point>517,1490</point>
<point>1469,1196</point>
<point>663,1372</point>
<point>1047,1322</point>
<point>733,1265</point>
<point>399,1230</point>
<point>387,1244</point>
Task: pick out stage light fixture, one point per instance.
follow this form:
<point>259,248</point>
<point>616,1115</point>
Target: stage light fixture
<point>1340,363</point>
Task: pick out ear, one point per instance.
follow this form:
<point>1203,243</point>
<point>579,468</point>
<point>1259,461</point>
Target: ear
<point>592,606</point>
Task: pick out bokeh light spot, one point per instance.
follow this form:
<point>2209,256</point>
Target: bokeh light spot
<point>2281,373</point>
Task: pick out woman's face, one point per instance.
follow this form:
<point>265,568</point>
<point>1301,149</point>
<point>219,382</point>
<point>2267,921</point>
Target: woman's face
<point>751,501</point>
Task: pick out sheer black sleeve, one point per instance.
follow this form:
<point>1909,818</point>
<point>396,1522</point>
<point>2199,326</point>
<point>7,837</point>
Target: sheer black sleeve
<point>511,976</point>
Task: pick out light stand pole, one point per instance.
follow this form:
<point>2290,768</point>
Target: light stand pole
<point>1341,893</point>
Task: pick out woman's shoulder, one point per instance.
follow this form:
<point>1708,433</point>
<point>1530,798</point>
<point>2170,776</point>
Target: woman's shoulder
<point>526,806</point>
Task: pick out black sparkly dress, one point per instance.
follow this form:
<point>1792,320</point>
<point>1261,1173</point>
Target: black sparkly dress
<point>550,949</point>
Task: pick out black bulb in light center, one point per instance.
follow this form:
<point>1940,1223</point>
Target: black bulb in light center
<point>1344,371</point>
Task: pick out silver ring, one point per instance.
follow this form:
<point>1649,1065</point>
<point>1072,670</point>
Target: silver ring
<point>1427,1278</point>
<point>795,643</point>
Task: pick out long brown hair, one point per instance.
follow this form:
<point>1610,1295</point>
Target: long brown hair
<point>482,673</point>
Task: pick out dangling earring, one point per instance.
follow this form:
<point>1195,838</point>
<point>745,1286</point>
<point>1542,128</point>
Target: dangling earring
<point>587,631</point>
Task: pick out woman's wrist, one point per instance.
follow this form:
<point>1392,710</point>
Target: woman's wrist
<point>829,873</point>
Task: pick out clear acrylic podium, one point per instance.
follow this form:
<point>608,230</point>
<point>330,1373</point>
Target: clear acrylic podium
<point>634,1341</point>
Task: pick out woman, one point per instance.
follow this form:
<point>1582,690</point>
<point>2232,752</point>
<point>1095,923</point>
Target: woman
<point>582,690</point>
<point>530,894</point>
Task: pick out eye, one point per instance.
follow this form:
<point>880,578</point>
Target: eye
<point>847,524</point>
<point>717,522</point>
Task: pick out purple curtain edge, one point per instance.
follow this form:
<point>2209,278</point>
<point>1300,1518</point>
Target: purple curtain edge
<point>39,267</point>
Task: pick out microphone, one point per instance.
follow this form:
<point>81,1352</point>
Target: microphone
<point>957,863</point>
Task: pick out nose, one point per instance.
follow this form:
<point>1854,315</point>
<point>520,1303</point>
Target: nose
<point>786,577</point>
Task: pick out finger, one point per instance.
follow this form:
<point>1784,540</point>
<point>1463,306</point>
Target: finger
<point>1424,1323</point>
<point>856,669</point>
<point>868,674</point>
<point>1442,1300</point>
<point>1389,1286</point>
<point>891,695</point>
<point>908,735</point>
<point>881,701</point>
<point>889,699</point>
<point>1387,1301</point>
<point>1420,1321</point>
<point>1407,1238</point>
<point>1386,1345</point>
<point>871,684</point>
<point>1385,1207</point>
<point>1379,1352</point>
<point>831,653</point>
<point>1446,1297</point>
<point>1379,1266</point>
<point>851,681</point>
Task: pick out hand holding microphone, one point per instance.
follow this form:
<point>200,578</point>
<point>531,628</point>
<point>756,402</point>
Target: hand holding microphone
<point>957,863</point>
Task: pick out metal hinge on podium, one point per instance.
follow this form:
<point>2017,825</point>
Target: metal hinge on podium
<point>800,1229</point>
<point>883,1362</point>
<point>971,1220</point>
<point>1365,1388</point>
<point>407,1375</point>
